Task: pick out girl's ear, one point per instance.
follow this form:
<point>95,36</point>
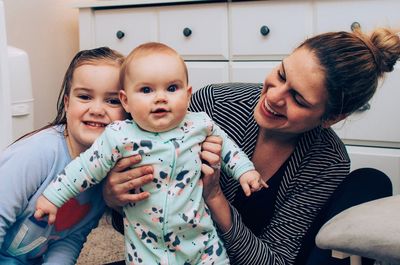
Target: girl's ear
<point>124,100</point>
<point>66,102</point>
<point>328,123</point>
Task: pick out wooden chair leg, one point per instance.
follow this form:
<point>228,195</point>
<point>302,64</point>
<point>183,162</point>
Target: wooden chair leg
<point>354,260</point>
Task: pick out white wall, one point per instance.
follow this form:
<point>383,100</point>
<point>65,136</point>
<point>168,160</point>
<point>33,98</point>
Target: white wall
<point>48,31</point>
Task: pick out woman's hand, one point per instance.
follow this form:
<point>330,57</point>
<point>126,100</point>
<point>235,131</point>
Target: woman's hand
<point>212,193</point>
<point>122,184</point>
<point>211,156</point>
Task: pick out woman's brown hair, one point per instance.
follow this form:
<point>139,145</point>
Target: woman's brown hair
<point>353,64</point>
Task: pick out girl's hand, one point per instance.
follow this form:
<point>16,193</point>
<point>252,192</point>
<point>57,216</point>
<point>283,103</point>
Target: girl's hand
<point>211,156</point>
<point>122,183</point>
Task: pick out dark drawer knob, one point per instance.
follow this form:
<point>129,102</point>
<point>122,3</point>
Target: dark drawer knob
<point>187,32</point>
<point>264,30</point>
<point>355,25</point>
<point>120,34</point>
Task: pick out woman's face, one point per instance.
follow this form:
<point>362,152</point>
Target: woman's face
<point>92,104</point>
<point>294,97</point>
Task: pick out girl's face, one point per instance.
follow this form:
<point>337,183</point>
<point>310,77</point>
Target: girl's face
<point>92,104</point>
<point>294,97</point>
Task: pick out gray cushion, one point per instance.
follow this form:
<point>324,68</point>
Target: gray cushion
<point>370,230</point>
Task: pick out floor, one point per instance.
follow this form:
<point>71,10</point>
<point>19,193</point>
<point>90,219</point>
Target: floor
<point>104,245</point>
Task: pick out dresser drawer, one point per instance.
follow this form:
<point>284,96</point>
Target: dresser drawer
<point>269,29</point>
<point>251,72</point>
<point>125,29</point>
<point>384,159</point>
<point>379,123</point>
<point>333,15</point>
<point>197,32</point>
<point>202,73</point>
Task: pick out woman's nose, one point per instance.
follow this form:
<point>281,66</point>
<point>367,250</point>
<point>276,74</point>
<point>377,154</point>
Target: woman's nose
<point>277,96</point>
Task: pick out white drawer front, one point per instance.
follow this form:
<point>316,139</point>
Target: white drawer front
<point>208,25</point>
<point>289,23</point>
<point>205,73</point>
<point>138,25</point>
<point>333,15</point>
<point>384,159</point>
<point>381,121</point>
<point>252,72</point>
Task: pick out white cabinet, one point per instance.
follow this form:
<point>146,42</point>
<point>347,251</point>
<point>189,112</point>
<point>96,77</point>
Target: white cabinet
<point>268,29</point>
<point>241,41</point>
<point>333,15</point>
<point>251,71</point>
<point>377,124</point>
<point>384,159</point>
<point>205,73</point>
<point>124,30</point>
<point>197,32</point>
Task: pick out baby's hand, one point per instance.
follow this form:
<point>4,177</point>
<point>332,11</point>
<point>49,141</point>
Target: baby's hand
<point>45,207</point>
<point>251,181</point>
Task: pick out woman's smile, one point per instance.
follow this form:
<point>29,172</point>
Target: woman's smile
<point>269,112</point>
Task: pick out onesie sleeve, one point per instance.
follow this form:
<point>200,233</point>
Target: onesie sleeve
<point>88,169</point>
<point>234,161</point>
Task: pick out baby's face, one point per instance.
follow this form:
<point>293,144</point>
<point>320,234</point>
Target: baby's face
<point>156,92</point>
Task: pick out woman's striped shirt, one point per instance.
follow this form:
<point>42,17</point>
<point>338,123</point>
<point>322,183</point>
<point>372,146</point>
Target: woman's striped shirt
<point>317,166</point>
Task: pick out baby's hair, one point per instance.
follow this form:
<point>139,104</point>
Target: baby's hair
<point>97,56</point>
<point>146,49</point>
<point>353,63</point>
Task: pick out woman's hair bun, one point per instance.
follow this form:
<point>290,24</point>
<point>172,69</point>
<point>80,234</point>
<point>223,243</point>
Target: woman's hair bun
<point>387,44</point>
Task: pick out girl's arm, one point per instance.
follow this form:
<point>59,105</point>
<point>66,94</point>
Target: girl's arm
<point>24,168</point>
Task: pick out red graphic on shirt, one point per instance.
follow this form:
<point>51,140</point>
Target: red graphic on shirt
<point>70,214</point>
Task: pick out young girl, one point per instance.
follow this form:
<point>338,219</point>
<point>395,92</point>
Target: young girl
<point>88,101</point>
<point>173,226</point>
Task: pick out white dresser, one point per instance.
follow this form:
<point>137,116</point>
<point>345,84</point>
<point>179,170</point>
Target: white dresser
<point>240,41</point>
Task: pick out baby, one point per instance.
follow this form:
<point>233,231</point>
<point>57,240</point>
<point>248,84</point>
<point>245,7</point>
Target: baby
<point>173,226</point>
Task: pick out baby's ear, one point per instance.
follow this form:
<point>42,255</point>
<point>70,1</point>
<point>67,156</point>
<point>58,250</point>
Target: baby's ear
<point>124,99</point>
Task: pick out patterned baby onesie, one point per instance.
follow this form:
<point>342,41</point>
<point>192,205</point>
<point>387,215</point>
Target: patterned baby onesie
<point>173,226</point>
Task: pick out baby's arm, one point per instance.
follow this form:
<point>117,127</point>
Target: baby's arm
<point>236,163</point>
<point>45,207</point>
<point>80,174</point>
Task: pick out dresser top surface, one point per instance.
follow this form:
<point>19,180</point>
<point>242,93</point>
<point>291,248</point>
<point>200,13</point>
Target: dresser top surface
<point>117,3</point>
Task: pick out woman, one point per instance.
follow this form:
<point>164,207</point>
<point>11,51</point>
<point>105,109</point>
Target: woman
<point>284,127</point>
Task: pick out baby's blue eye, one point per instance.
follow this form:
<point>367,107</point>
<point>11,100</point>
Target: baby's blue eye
<point>146,90</point>
<point>172,88</point>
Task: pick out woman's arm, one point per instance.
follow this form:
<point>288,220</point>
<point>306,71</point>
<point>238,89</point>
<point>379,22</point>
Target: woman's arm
<point>212,193</point>
<point>121,180</point>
